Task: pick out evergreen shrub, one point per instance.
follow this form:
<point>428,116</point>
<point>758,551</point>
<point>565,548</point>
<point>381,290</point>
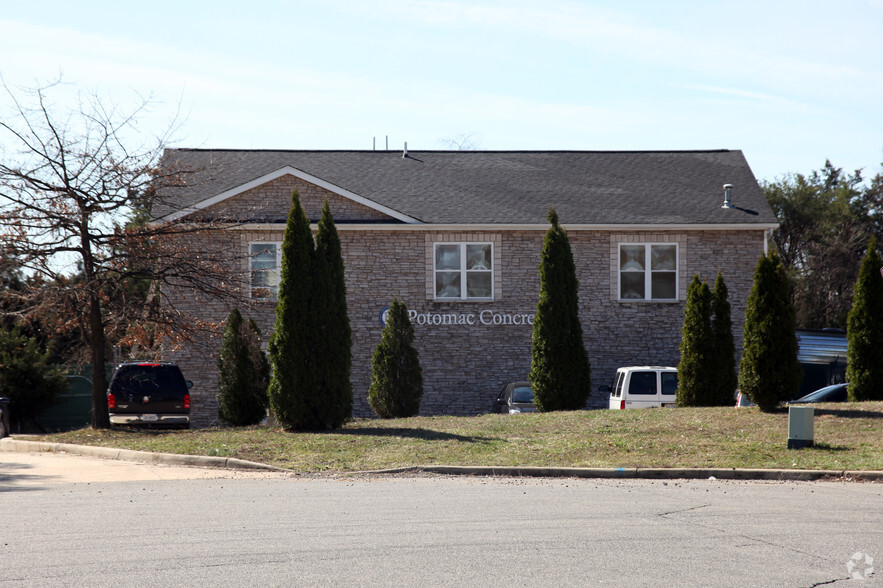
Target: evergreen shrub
<point>291,345</point>
<point>864,331</point>
<point>396,376</point>
<point>769,372</point>
<point>26,377</point>
<point>560,373</point>
<point>311,345</point>
<point>696,381</point>
<point>243,373</point>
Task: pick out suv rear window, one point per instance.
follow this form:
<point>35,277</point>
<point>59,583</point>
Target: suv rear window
<point>522,394</point>
<point>669,382</point>
<point>643,383</point>
<point>617,385</point>
<point>148,379</point>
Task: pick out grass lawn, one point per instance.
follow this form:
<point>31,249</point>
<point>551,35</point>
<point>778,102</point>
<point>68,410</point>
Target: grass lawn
<point>847,437</point>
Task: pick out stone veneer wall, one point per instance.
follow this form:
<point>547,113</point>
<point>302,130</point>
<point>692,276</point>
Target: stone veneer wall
<point>198,357</point>
<point>465,366</point>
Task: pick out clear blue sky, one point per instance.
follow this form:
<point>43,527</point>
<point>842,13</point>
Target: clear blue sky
<point>789,83</point>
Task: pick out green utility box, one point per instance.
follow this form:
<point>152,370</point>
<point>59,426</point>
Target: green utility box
<point>800,426</point>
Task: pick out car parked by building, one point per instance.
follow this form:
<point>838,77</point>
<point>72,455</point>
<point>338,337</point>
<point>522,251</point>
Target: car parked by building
<point>149,393</point>
<point>833,393</point>
<point>742,400</point>
<point>516,397</point>
<point>643,387</point>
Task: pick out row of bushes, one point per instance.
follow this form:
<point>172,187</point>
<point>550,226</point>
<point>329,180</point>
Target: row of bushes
<point>244,372</point>
<point>306,381</point>
<point>769,371</point>
<point>310,385</point>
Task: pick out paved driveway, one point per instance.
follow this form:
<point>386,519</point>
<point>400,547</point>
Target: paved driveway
<point>34,469</point>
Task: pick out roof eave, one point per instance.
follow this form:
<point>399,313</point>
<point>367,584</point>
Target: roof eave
<point>488,227</point>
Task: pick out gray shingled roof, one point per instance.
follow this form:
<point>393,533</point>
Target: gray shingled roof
<point>505,187</point>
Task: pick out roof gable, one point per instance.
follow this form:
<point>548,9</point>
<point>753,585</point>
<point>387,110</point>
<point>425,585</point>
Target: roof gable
<point>211,200</point>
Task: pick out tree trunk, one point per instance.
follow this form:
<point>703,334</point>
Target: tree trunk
<point>100,418</point>
<point>97,339</point>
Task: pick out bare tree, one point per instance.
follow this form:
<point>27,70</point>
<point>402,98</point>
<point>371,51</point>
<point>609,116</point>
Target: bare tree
<point>461,142</point>
<point>76,189</point>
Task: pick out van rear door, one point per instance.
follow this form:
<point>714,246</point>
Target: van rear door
<point>668,385</point>
<point>616,394</point>
<point>641,389</point>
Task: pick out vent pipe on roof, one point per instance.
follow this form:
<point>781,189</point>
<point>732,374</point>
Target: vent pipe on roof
<point>728,196</point>
<point>405,154</point>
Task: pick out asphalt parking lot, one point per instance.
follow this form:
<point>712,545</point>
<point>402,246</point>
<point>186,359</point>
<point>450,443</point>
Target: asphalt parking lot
<point>178,525</point>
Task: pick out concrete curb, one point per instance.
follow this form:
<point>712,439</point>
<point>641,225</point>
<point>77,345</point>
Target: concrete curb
<point>227,463</point>
<point>661,473</point>
<point>231,463</point>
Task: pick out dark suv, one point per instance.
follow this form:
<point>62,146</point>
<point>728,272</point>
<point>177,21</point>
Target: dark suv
<point>154,394</point>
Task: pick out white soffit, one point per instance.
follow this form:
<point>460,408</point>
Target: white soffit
<point>288,170</point>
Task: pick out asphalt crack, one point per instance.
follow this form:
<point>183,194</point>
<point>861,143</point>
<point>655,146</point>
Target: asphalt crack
<point>683,510</point>
<point>752,540</point>
<point>829,582</point>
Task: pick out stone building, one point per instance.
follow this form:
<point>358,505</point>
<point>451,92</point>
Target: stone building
<point>457,235</point>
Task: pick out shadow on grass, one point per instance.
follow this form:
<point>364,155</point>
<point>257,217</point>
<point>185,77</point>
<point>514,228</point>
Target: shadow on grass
<point>846,413</point>
<point>418,433</point>
<point>829,408</point>
<point>134,430</point>
<point>827,447</point>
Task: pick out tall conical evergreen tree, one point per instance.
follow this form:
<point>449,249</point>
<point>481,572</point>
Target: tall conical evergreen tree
<point>560,374</point>
<point>242,388</point>
<point>291,352</point>
<point>769,372</point>
<point>724,366</point>
<point>253,339</point>
<point>396,375</point>
<point>864,331</point>
<point>696,383</point>
<point>334,401</point>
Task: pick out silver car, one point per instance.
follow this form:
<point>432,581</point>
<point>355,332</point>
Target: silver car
<point>833,393</point>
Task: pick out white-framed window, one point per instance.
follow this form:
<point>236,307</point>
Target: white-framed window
<point>648,271</point>
<point>264,261</point>
<point>463,271</point>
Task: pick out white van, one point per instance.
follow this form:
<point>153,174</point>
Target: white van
<point>643,387</point>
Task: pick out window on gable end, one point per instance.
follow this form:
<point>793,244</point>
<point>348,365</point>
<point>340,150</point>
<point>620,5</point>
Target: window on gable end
<point>648,271</point>
<point>463,271</point>
<point>264,260</point>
